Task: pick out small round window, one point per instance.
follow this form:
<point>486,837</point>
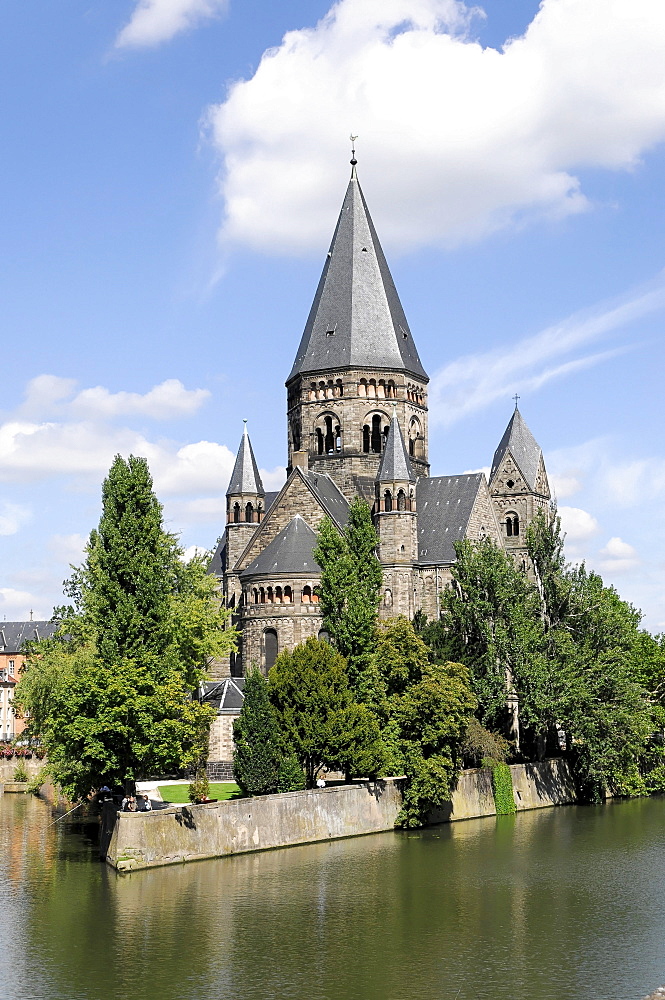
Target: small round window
<point>510,484</point>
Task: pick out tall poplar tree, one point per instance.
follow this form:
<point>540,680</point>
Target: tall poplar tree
<point>350,586</point>
<point>112,695</point>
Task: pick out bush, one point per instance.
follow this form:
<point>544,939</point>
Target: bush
<point>36,782</point>
<point>291,777</point>
<point>502,784</point>
<point>199,788</point>
<point>483,748</point>
<point>20,772</point>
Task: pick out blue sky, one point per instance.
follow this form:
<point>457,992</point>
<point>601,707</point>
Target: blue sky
<point>172,172</point>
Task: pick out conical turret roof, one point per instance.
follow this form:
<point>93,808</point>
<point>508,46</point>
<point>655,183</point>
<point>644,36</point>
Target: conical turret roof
<point>522,445</point>
<point>245,477</point>
<point>356,319</point>
<point>395,464</point>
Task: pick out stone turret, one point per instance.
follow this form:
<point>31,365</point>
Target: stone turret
<point>518,485</point>
<point>396,524</point>
<point>245,506</point>
<point>356,358</point>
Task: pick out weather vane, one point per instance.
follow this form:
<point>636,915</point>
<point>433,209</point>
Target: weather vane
<point>353,149</point>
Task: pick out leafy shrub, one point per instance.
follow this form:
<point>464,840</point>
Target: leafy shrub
<point>502,784</point>
<point>199,788</point>
<point>483,748</point>
<point>20,772</point>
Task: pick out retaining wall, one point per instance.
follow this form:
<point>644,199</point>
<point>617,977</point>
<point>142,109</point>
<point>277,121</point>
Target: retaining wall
<point>131,841</point>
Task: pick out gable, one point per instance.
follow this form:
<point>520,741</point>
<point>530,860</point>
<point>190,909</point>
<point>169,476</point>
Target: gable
<point>296,497</point>
<point>444,507</point>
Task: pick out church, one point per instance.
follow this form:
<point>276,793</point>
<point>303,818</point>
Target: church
<point>357,426</point>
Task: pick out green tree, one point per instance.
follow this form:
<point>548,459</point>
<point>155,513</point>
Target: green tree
<point>424,710</point>
<point>111,695</point>
<point>317,715</point>
<point>493,617</point>
<point>257,751</point>
<point>350,586</point>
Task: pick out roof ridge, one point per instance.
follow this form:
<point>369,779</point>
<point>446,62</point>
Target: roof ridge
<point>356,318</point>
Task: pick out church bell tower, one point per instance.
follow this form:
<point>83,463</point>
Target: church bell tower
<point>356,361</point>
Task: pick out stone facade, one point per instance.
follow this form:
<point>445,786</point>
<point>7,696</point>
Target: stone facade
<point>357,420</point>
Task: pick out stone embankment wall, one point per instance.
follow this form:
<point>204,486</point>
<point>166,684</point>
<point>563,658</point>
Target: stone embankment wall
<point>7,767</point>
<point>130,841</point>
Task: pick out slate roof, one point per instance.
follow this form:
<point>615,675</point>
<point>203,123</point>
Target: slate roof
<point>226,695</point>
<point>333,500</point>
<point>13,635</point>
<point>245,477</point>
<point>218,561</point>
<point>444,505</point>
<point>290,552</point>
<point>524,448</point>
<point>395,464</point>
<point>356,319</point>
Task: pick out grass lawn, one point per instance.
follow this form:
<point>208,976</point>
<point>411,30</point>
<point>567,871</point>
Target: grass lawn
<point>218,790</point>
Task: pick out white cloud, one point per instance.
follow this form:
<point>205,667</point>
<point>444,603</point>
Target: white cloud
<point>476,138</point>
<point>16,605</point>
<point>620,557</point>
<point>49,394</point>
<point>195,468</point>
<point>578,524</point>
<point>68,548</point>
<point>12,517</point>
<point>474,381</point>
<point>157,21</point>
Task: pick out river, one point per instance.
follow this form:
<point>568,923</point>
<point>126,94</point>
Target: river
<point>555,904</point>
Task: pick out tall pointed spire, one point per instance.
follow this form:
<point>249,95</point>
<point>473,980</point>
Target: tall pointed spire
<point>395,464</point>
<point>245,477</point>
<point>356,319</point>
<point>522,445</point>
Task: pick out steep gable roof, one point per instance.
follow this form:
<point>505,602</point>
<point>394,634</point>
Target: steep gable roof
<point>520,442</point>
<point>395,465</point>
<point>329,494</point>
<point>14,635</point>
<point>356,319</point>
<point>444,505</point>
<point>290,552</point>
<point>245,477</point>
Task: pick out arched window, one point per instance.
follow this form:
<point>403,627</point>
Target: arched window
<point>390,390</point>
<point>339,387</point>
<point>256,596</point>
<point>278,595</point>
<point>381,389</point>
<point>312,391</point>
<point>516,525</point>
<point>329,442</point>
<point>388,599</point>
<point>270,648</point>
<point>262,595</point>
<point>401,500</point>
<point>376,434</point>
<point>295,434</point>
<point>319,441</point>
<point>362,387</point>
<point>259,513</point>
<point>388,501</point>
<point>324,635</point>
<point>366,436</point>
<point>321,394</point>
<point>415,439</point>
<point>338,438</point>
<point>236,513</point>
<point>269,596</point>
<point>315,597</point>
<point>306,595</point>
<point>249,513</point>
<point>288,595</point>
<point>371,388</point>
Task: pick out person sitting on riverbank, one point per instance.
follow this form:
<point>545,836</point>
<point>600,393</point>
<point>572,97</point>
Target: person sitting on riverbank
<point>144,803</point>
<point>129,804</point>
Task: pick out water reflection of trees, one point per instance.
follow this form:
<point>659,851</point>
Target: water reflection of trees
<point>507,907</point>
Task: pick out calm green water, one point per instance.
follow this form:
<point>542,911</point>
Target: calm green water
<point>563,903</point>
